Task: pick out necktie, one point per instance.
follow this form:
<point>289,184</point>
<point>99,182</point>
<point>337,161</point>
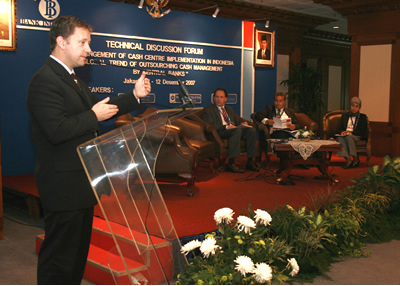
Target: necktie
<point>278,113</point>
<point>76,79</point>
<point>225,115</point>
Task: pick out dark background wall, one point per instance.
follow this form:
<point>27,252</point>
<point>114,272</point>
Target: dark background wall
<point>219,39</point>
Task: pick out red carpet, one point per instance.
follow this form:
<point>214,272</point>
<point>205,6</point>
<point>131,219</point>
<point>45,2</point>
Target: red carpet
<point>194,215</point>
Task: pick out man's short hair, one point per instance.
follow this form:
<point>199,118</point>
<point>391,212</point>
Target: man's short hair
<point>222,89</point>
<point>279,93</point>
<point>64,26</point>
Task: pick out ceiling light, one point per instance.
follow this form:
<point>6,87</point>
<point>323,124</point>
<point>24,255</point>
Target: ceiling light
<point>267,23</point>
<point>141,4</point>
<point>216,12</point>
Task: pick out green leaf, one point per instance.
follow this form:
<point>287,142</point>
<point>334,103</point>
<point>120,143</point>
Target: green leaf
<point>386,160</point>
<point>374,169</point>
<point>318,220</point>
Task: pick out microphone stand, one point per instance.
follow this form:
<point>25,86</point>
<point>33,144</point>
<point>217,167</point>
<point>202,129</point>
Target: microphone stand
<point>184,94</point>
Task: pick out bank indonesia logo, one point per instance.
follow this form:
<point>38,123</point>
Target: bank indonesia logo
<point>49,9</point>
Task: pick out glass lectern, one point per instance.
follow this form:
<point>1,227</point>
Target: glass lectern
<point>120,165</point>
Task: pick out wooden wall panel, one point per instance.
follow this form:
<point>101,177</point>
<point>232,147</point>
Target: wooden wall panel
<point>381,138</point>
<point>379,28</point>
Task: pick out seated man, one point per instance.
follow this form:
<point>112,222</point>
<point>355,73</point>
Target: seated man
<point>278,110</point>
<point>223,118</point>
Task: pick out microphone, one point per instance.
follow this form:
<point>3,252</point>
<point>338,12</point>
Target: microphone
<point>184,94</point>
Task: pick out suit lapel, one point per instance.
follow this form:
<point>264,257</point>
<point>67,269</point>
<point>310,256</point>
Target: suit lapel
<point>67,78</point>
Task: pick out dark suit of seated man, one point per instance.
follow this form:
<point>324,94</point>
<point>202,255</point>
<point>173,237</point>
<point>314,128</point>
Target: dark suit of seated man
<point>223,118</point>
<point>278,110</point>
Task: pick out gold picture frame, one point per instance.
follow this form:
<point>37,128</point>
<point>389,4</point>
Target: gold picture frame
<point>8,32</point>
<point>264,47</point>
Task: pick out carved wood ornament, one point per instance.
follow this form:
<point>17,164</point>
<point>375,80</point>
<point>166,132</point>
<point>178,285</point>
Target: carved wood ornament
<point>156,8</point>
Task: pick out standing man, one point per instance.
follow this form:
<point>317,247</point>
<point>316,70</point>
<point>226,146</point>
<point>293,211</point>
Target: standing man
<point>65,114</point>
<point>278,110</point>
<point>228,126</point>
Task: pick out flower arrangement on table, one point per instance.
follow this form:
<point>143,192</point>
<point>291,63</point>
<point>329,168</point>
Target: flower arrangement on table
<point>243,254</point>
<point>305,134</point>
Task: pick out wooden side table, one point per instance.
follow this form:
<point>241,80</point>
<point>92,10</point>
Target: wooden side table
<point>321,161</point>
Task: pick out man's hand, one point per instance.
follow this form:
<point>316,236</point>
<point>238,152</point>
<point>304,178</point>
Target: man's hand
<point>142,86</point>
<point>270,122</point>
<point>244,123</point>
<point>230,126</point>
<point>292,126</point>
<point>346,133</point>
<point>103,110</point>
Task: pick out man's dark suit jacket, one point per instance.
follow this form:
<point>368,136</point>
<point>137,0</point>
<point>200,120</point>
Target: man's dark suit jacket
<point>62,119</point>
<point>212,115</point>
<point>361,128</point>
<point>270,111</point>
<point>267,53</point>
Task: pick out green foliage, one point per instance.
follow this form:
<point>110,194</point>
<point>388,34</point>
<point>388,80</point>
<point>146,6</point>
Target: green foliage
<point>340,224</point>
<point>305,88</point>
<point>220,268</point>
<point>303,230</point>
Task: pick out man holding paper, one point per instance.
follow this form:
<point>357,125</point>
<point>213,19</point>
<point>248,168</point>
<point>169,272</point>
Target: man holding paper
<point>277,118</point>
<point>280,121</point>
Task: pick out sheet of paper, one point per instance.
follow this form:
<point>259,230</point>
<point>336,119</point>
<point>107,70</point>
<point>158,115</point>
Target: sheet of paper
<point>280,123</point>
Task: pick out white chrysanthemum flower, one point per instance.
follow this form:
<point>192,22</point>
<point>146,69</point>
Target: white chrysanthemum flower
<point>262,272</point>
<point>263,217</point>
<point>245,224</point>
<point>306,134</point>
<point>244,265</point>
<point>295,267</point>
<point>190,246</point>
<point>223,215</point>
<point>208,246</point>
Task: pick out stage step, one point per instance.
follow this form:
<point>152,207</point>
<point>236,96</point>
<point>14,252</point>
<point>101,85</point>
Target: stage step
<point>104,262</point>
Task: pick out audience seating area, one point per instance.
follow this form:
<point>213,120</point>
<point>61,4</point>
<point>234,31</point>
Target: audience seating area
<point>191,139</point>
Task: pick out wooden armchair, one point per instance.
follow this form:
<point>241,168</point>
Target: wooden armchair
<point>194,133</point>
<point>331,123</point>
<point>175,155</point>
<point>305,120</point>
<point>193,136</point>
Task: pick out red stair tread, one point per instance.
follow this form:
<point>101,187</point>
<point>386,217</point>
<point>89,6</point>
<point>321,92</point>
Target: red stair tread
<point>102,258</point>
<point>123,231</point>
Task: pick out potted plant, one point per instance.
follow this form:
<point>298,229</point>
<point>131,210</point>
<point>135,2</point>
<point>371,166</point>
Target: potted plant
<point>304,89</point>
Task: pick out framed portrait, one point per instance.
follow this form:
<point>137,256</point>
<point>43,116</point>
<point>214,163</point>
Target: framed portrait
<point>264,47</point>
<point>8,31</point>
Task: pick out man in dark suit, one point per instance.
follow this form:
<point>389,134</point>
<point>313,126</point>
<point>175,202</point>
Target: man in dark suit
<point>228,126</point>
<point>264,53</point>
<point>65,114</point>
<point>278,110</point>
